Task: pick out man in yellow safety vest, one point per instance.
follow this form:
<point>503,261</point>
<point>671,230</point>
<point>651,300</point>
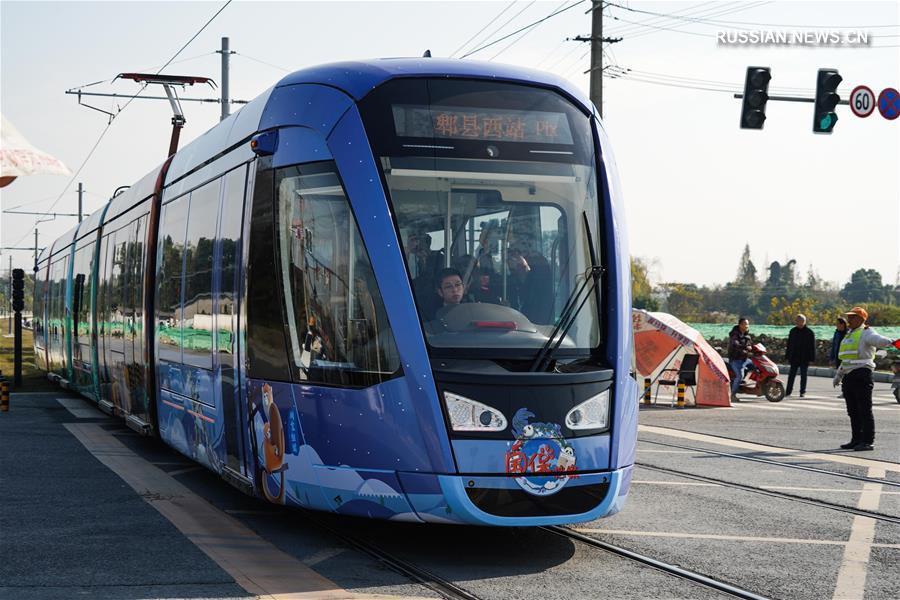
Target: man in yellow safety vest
<point>857,356</point>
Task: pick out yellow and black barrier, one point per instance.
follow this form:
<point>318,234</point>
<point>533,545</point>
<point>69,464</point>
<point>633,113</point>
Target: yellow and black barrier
<point>4,395</point>
<point>680,402</point>
<point>647,390</point>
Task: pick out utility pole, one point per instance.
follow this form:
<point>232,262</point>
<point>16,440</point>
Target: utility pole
<point>80,198</point>
<point>597,40</point>
<point>226,102</point>
<point>597,55</point>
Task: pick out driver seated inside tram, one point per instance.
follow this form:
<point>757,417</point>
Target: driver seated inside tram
<point>450,289</point>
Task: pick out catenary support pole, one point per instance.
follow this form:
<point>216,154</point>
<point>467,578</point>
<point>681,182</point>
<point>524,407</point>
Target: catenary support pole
<point>80,199</point>
<point>226,107</point>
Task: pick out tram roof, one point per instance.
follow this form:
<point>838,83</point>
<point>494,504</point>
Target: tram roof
<point>358,78</point>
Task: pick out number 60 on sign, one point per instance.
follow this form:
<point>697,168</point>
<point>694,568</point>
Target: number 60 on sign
<point>862,101</point>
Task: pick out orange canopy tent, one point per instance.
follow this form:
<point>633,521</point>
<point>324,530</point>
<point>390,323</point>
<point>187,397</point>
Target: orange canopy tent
<point>661,341</point>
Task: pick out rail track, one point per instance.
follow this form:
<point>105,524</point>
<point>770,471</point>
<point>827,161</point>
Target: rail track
<point>775,494</point>
<point>770,461</point>
<point>670,569</point>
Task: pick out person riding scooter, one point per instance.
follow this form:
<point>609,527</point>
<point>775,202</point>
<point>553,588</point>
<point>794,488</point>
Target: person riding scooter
<point>739,349</point>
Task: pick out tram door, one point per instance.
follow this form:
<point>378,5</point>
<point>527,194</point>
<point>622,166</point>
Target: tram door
<point>228,262</point>
<point>132,302</point>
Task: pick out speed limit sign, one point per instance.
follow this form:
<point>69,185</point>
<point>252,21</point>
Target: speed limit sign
<point>862,101</point>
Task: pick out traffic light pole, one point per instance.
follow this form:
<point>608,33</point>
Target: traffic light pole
<point>792,99</point>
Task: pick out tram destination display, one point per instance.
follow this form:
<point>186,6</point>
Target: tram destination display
<point>414,121</point>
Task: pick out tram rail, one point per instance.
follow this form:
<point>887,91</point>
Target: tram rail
<point>775,494</point>
<point>770,461</point>
<point>668,568</point>
<point>443,587</point>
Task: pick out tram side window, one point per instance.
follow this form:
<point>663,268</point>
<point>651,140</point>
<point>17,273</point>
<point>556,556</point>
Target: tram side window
<point>337,325</point>
<point>168,292</point>
<point>81,294</point>
<point>197,328</point>
<point>230,238</point>
<point>136,257</point>
<point>117,308</point>
<point>37,320</point>
<point>103,313</point>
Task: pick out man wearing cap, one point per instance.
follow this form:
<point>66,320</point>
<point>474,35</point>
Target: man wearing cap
<point>857,356</point>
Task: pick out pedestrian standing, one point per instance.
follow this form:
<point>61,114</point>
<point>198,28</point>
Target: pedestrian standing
<point>840,331</point>
<point>857,356</point>
<point>801,350</point>
<point>739,348</point>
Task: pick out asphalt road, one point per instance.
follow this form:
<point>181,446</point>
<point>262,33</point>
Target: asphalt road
<point>91,509</point>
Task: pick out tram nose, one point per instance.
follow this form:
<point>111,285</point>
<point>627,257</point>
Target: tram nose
<point>543,432</point>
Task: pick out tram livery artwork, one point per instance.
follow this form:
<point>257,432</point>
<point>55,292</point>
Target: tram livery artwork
<point>396,289</point>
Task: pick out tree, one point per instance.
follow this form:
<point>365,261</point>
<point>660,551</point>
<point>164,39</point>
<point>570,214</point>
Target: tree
<point>685,301</point>
<point>866,286</point>
<point>641,290</point>
<point>746,274</point>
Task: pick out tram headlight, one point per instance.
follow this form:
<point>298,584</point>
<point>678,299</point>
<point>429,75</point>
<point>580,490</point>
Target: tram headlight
<point>590,414</point>
<point>469,415</point>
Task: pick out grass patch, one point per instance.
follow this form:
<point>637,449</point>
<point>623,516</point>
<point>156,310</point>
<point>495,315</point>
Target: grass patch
<point>33,380</point>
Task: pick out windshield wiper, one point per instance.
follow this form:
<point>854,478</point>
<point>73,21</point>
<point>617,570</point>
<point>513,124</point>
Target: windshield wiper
<point>569,312</point>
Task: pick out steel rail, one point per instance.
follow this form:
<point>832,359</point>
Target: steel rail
<point>776,494</point>
<point>443,587</point>
<point>657,564</point>
<point>775,462</point>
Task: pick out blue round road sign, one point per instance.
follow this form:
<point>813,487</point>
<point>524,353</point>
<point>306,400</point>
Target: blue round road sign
<point>889,103</point>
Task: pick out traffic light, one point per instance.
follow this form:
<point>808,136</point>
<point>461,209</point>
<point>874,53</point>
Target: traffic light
<point>827,98</point>
<point>753,107</point>
<point>18,290</point>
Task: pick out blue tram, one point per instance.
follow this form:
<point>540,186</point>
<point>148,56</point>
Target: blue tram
<point>395,288</point>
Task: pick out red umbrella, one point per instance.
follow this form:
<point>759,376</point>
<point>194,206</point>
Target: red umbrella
<point>661,341</point>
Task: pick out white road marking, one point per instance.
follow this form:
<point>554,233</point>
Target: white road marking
<point>729,538</point>
<point>665,451</point>
<point>851,579</point>
<point>829,490</point>
<point>765,407</point>
<point>688,483</point>
<point>771,450</point>
<point>80,409</point>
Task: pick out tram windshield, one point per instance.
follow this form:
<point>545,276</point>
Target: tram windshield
<point>494,191</point>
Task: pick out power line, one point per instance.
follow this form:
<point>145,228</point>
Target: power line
<point>500,28</point>
<point>112,118</point>
<point>719,11</point>
<point>720,22</point>
<point>539,21</point>
<point>262,62</point>
<point>518,39</point>
<point>692,10</point>
<point>465,43</point>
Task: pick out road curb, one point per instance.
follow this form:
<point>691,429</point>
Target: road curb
<point>829,372</point>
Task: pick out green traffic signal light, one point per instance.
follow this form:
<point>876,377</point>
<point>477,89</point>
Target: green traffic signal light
<point>827,98</point>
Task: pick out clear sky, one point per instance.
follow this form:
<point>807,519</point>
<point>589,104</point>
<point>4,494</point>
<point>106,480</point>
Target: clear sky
<point>697,188</point>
